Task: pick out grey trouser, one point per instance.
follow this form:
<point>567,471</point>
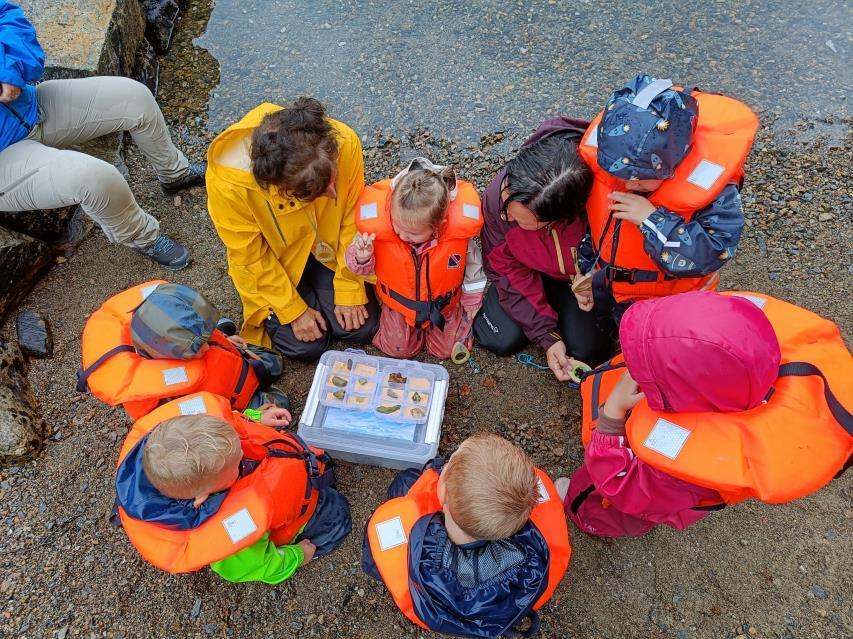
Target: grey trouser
<point>34,175</point>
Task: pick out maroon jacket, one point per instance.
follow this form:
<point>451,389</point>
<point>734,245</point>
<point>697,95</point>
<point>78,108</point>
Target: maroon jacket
<point>516,261</point>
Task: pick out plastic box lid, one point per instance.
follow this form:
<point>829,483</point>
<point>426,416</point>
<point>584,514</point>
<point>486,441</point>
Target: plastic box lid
<point>361,436</point>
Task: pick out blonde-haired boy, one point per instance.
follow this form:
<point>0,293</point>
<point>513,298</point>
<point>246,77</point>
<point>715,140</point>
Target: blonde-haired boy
<point>173,488</point>
<point>481,540</point>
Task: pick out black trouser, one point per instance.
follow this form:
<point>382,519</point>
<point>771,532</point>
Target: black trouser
<point>330,523</point>
<point>317,289</point>
<point>587,339</point>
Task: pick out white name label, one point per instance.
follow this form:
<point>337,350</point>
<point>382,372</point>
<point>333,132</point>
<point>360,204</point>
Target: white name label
<point>172,376</point>
<point>705,174</point>
<point>667,438</point>
<point>592,138</point>
<point>194,406</point>
<point>390,533</point>
<point>368,211</point>
<point>760,302</point>
<point>147,290</point>
<point>543,492</point>
<point>470,211</point>
<point>239,525</point>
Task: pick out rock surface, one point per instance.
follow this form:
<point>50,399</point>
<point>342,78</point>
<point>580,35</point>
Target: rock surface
<point>146,69</point>
<point>23,260</point>
<point>22,429</point>
<point>106,35</point>
<point>161,19</point>
<point>34,334</point>
<point>49,225</point>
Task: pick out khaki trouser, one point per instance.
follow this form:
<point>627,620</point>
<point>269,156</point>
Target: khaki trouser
<point>35,175</point>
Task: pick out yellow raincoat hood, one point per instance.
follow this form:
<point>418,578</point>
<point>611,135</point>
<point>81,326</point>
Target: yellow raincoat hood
<point>268,236</point>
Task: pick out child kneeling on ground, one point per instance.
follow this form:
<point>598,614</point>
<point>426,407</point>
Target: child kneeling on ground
<point>665,209</point>
<point>472,547</point>
<point>416,237</point>
<point>721,398</point>
<point>198,485</point>
<point>158,341</point>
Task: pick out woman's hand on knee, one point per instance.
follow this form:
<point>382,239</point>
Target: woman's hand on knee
<point>309,326</point>
<point>351,318</point>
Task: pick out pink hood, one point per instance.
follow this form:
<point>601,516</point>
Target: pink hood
<point>700,351</point>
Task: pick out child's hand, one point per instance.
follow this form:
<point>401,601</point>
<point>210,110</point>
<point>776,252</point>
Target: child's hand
<point>241,344</point>
<point>309,549</point>
<point>363,243</point>
<point>275,416</point>
<point>630,206</point>
<point>625,395</point>
<point>582,288</point>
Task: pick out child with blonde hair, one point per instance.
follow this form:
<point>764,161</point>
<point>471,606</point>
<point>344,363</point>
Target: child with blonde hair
<point>416,239</point>
<point>471,547</point>
<point>199,485</point>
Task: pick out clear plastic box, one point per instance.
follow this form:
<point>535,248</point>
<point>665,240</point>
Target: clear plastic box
<point>358,432</point>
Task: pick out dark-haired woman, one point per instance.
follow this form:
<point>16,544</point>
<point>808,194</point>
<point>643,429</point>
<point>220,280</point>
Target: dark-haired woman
<point>534,221</point>
<point>282,186</point>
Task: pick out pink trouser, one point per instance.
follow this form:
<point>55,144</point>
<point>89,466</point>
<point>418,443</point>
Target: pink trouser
<point>614,494</point>
<point>397,339</point>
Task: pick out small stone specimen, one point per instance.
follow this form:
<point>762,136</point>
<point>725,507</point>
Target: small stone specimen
<point>34,334</point>
<point>416,412</point>
<point>397,378</point>
<point>339,381</point>
<point>388,410</point>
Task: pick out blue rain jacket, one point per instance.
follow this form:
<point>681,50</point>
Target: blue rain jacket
<point>479,589</point>
<point>21,62</point>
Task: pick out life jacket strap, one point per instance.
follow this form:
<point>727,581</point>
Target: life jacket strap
<point>632,275</point>
<point>581,498</point>
<point>805,369</point>
<point>710,507</point>
<point>425,311</point>
<point>596,374</point>
<point>83,374</point>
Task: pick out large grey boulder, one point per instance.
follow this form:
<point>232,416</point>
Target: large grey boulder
<point>22,429</point>
<point>23,260</point>
<point>82,38</point>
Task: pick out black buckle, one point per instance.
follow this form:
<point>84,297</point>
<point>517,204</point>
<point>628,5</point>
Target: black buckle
<point>620,273</point>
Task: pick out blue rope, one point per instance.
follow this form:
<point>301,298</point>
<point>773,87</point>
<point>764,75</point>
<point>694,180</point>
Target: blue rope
<point>528,360</point>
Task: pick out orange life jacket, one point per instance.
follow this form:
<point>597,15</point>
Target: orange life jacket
<point>421,287</point>
<point>724,132</point>
<point>116,374</point>
<point>278,497</point>
<point>788,447</point>
<point>390,526</point>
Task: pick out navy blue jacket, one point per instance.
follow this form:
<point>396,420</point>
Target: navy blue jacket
<point>21,62</point>
<point>141,500</point>
<point>474,590</point>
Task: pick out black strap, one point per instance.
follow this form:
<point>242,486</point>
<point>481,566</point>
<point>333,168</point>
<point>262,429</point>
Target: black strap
<point>424,311</point>
<point>83,374</point>
<point>711,507</point>
<point>597,374</point>
<point>18,117</point>
<point>581,498</point>
<point>805,369</point>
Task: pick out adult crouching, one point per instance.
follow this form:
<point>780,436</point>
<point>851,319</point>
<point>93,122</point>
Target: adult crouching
<point>282,189</point>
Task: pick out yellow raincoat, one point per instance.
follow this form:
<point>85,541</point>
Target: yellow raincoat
<point>269,236</point>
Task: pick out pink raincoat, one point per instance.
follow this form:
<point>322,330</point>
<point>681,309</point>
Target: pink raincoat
<point>694,352</point>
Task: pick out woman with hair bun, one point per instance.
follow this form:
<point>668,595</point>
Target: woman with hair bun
<point>282,187</point>
<point>534,220</point>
